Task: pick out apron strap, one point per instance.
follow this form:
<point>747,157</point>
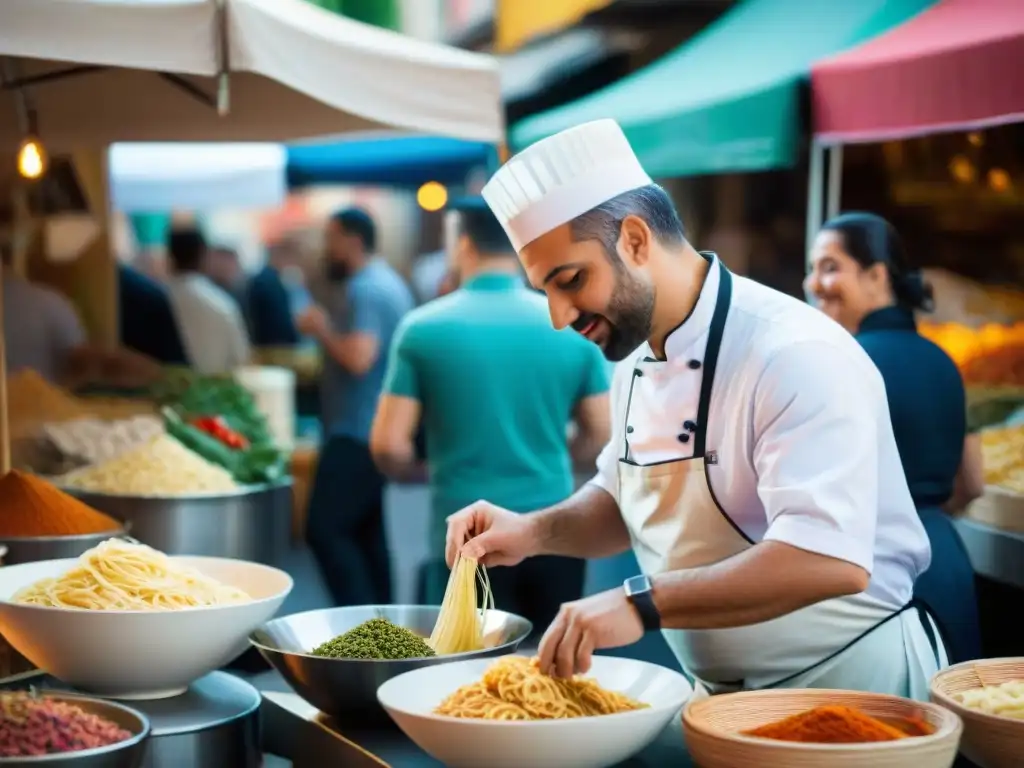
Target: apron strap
<point>715,333</point>
<point>912,605</point>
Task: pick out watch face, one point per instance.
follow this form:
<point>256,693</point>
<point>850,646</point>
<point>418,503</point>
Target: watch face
<point>636,585</point>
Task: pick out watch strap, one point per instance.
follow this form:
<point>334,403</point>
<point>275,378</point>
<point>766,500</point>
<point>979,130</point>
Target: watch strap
<point>639,591</point>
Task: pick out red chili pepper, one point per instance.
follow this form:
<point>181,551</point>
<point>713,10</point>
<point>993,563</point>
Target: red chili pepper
<point>217,427</point>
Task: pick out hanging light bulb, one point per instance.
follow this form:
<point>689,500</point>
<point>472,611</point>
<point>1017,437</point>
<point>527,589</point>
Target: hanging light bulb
<point>31,158</point>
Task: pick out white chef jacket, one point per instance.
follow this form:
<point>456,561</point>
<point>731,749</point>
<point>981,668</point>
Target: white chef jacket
<point>212,329</point>
<point>801,447</point>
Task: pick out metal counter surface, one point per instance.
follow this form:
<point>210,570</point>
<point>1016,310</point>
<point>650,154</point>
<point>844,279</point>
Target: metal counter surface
<point>995,554</point>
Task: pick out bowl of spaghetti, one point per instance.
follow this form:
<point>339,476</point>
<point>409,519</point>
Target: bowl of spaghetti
<point>504,713</point>
<point>126,621</point>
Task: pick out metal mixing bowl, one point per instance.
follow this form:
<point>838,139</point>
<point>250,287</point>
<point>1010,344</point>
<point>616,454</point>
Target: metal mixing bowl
<point>129,753</point>
<point>32,549</point>
<point>348,687</point>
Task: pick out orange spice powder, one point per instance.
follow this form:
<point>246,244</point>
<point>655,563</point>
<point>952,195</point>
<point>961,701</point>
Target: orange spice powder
<point>30,506</point>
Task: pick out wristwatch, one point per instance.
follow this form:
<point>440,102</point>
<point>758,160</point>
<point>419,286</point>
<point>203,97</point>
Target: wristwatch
<point>639,592</point>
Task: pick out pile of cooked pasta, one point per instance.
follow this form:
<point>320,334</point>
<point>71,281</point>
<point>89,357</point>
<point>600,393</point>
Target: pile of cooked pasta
<point>120,575</point>
<point>513,688</point>
<point>1006,700</point>
<point>160,466</point>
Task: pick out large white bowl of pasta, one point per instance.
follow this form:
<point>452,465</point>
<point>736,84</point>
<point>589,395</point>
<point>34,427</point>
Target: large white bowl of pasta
<point>487,713</point>
<point>126,621</point>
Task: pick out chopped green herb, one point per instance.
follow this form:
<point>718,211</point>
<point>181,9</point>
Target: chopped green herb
<point>375,639</point>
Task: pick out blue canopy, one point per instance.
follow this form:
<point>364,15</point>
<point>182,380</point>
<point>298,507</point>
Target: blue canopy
<point>391,162</point>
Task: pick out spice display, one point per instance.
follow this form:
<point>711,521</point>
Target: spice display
<point>33,507</point>
<point>1003,457</point>
<point>375,639</point>
<point>189,398</point>
<point>160,467</point>
<point>219,428</point>
<point>839,725</point>
<point>33,725</point>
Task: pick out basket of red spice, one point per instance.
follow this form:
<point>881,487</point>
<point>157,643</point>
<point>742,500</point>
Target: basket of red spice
<point>819,729</point>
<point>59,729</point>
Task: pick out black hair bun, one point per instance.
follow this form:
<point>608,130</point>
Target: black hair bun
<point>914,291</point>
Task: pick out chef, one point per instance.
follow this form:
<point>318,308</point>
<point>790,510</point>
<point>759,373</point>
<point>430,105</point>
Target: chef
<point>752,465</point>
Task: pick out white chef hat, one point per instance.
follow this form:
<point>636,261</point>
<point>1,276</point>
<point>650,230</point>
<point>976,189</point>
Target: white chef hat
<point>561,177</point>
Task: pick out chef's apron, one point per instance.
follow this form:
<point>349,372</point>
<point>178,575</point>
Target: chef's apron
<point>947,588</point>
<point>853,642</point>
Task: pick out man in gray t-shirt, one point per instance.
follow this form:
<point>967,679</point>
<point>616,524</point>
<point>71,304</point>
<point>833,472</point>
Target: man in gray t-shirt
<point>364,303</point>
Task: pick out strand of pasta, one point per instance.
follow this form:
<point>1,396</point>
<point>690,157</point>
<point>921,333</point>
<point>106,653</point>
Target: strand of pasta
<point>460,623</point>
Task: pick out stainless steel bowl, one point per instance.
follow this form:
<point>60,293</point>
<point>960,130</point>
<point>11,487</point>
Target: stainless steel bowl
<point>348,687</point>
<point>252,523</point>
<point>129,753</point>
<point>33,549</point>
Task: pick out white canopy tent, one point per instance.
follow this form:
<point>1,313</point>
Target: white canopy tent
<point>162,177</point>
<point>94,72</point>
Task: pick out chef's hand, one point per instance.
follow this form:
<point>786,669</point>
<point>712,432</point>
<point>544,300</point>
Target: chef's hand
<point>605,620</point>
<point>490,534</point>
<point>313,322</point>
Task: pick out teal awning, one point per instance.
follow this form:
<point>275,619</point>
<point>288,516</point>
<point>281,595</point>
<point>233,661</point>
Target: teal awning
<point>729,99</point>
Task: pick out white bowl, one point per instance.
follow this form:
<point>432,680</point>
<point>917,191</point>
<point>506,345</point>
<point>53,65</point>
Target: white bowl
<point>584,742</point>
<point>138,654</point>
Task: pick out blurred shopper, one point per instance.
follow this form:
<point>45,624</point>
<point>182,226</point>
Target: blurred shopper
<point>223,266</point>
<point>367,300</point>
<point>271,297</point>
<point>495,387</point>
<point>861,279</point>
<point>428,272</point>
<point>44,333</point>
<point>147,321</point>
<point>210,321</point>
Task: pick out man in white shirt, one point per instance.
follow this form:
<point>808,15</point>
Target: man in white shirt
<point>752,464</point>
<point>212,329</point>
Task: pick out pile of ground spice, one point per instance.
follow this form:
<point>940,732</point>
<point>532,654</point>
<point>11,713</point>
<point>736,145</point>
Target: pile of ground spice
<point>37,725</point>
<point>30,506</point>
<point>376,639</point>
<point>831,725</point>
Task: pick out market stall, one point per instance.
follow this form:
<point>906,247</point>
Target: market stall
<point>90,73</point>
<point>947,69</point>
<point>703,109</point>
<point>943,71</point>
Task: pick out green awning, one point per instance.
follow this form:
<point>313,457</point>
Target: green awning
<point>379,13</point>
<point>728,100</point>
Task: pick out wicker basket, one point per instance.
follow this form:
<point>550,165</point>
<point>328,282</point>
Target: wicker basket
<point>989,741</point>
<point>712,727</point>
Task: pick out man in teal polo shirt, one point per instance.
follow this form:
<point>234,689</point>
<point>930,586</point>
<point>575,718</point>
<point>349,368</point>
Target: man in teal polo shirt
<point>495,387</point>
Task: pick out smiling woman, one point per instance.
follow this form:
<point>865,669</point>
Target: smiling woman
<point>861,278</point>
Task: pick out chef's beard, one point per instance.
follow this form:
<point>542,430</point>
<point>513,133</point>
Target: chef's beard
<point>629,315</point>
